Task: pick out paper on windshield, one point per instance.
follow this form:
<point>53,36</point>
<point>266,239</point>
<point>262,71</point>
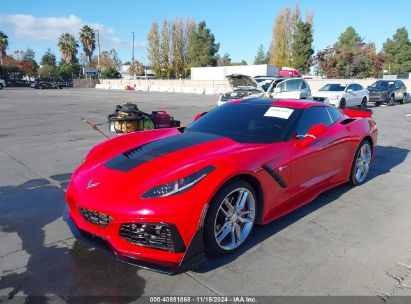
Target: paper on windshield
<point>279,112</point>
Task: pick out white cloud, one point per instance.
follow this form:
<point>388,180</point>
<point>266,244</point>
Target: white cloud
<point>48,29</point>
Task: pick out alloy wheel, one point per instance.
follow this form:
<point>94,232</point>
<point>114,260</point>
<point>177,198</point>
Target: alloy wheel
<point>362,163</point>
<point>235,219</point>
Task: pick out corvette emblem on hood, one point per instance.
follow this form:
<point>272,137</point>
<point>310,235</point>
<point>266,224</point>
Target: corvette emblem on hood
<point>91,184</point>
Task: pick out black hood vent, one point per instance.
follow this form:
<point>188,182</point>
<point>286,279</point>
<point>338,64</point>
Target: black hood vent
<point>137,156</point>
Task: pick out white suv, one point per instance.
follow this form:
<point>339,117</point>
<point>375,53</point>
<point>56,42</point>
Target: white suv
<point>2,84</point>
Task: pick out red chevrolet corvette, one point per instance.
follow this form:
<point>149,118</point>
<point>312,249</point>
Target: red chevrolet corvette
<point>161,198</point>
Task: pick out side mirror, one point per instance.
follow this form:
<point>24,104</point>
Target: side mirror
<point>198,116</point>
<point>312,135</point>
<point>350,91</point>
<point>277,90</point>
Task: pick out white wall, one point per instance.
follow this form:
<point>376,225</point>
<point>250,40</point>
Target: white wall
<point>220,73</point>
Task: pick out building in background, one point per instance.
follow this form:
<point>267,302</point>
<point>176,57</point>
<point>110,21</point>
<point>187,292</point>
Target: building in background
<point>220,72</point>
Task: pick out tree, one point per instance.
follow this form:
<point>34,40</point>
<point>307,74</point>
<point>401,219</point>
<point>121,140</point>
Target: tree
<point>348,40</point>
<point>262,56</point>
<point>110,72</point>
<point>189,27</point>
<point>283,31</point>
<point>224,61</point>
<point>165,50</point>
<point>28,68</point>
<point>68,47</point>
<point>154,48</point>
<point>397,52</point>
<point>29,55</point>
<point>4,44</point>
<point>67,71</point>
<point>301,47</point>
<point>202,49</point>
<point>48,58</point>
<point>47,71</point>
<point>88,39</point>
<point>110,59</point>
<point>177,46</point>
<point>137,68</point>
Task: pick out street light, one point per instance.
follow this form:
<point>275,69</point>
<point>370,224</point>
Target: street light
<point>132,60</point>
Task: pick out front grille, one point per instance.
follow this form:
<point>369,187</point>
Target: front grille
<point>319,98</point>
<point>94,217</point>
<point>158,236</point>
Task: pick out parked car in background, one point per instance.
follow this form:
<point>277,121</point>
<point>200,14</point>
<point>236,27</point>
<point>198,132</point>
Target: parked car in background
<point>264,81</point>
<point>387,91</point>
<point>343,95</point>
<point>2,84</point>
<point>289,88</point>
<point>242,86</point>
<point>45,85</point>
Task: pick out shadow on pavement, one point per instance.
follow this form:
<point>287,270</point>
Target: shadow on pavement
<point>386,158</point>
<point>57,265</point>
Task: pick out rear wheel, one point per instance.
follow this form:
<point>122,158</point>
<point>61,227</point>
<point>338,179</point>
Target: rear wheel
<point>1,86</point>
<point>342,104</point>
<point>230,218</point>
<point>361,163</point>
<point>402,101</point>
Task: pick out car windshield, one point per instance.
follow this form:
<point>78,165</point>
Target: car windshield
<point>247,122</point>
<point>334,87</point>
<point>382,84</point>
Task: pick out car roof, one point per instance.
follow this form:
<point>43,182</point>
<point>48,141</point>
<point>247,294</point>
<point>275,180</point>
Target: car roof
<point>290,103</point>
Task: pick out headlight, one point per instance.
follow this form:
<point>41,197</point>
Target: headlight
<point>334,97</point>
<point>178,186</point>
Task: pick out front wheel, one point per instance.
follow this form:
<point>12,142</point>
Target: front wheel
<point>361,163</point>
<point>363,103</point>
<point>342,104</point>
<point>1,86</point>
<point>391,102</point>
<point>230,218</point>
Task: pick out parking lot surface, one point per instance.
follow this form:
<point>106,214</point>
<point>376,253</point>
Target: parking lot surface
<point>348,241</point>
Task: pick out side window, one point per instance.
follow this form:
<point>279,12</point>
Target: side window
<point>281,85</point>
<point>311,117</point>
<point>358,87</point>
<point>303,84</point>
<point>334,113</point>
<point>293,85</point>
<point>350,87</point>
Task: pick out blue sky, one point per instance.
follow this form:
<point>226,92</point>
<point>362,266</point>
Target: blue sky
<point>240,26</point>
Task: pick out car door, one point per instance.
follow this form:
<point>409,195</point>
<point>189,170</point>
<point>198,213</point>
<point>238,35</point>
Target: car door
<point>289,89</point>
<point>323,162</point>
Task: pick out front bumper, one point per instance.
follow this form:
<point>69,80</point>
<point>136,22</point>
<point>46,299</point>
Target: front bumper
<point>379,98</point>
<point>193,256</point>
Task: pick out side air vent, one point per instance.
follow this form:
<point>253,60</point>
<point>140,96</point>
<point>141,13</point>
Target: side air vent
<point>347,121</point>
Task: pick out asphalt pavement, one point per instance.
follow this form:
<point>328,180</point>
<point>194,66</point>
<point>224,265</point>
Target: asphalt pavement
<point>348,241</point>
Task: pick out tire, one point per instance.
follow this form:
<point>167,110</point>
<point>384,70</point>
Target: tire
<point>391,102</point>
<point>225,228</point>
<point>342,104</point>
<point>364,103</point>
<point>1,86</point>
<point>402,101</point>
<point>361,163</point>
<point>377,103</point>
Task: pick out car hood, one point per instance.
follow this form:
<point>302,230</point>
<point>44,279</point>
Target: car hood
<point>327,93</point>
<point>122,177</point>
<point>239,81</point>
<point>379,89</point>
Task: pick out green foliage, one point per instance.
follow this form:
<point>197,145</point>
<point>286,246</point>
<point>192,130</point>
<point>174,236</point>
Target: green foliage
<point>48,58</point>
<point>262,57</point>
<point>88,40</point>
<point>202,48</point>
<point>67,71</point>
<point>350,57</point>
<point>110,72</point>
<point>30,56</point>
<point>348,40</point>
<point>223,61</point>
<point>4,43</point>
<point>68,47</point>
<point>301,47</point>
<point>47,71</point>
<point>154,55</point>
<point>397,52</point>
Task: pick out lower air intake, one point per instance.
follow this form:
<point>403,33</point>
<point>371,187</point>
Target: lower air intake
<point>159,236</point>
<point>94,217</point>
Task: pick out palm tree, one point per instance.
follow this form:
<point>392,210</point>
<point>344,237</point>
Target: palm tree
<point>4,43</point>
<point>68,47</point>
<point>88,39</point>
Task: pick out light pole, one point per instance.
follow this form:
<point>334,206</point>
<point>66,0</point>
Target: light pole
<point>132,60</point>
<point>98,51</point>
